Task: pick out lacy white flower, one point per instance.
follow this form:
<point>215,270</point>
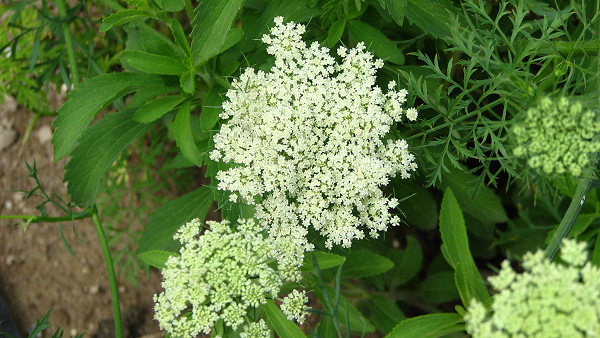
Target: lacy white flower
<point>548,300</point>
<point>307,141</point>
<point>219,275</point>
<point>294,306</point>
<point>556,136</point>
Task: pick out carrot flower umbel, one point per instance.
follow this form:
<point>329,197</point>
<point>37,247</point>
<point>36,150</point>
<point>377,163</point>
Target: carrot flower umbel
<point>306,141</point>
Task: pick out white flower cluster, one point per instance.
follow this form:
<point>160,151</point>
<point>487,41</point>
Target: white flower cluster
<point>549,300</point>
<point>307,138</point>
<point>219,275</point>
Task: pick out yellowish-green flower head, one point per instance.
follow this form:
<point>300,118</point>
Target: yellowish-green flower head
<point>556,137</point>
<point>221,274</point>
<point>548,300</point>
<point>307,136</point>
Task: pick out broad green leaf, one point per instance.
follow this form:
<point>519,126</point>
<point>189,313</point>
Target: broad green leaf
<point>335,32</point>
<point>486,206</point>
<point>456,248</point>
<point>173,5</point>
<point>187,81</point>
<point>156,108</point>
<point>419,208</point>
<point>98,147</point>
<point>326,328</point>
<point>376,42</point>
<point>87,99</point>
<point>428,326</point>
<point>211,108</point>
<point>296,11</point>
<point>144,95</point>
<point>438,287</point>
<point>156,258</point>
<point>278,321</point>
<point>164,223</point>
<point>396,8</point>
<point>581,224</point>
<point>432,16</point>
<point>358,322</point>
<point>122,17</point>
<point>212,23</point>
<point>153,42</point>
<point>364,263</point>
<point>184,138</point>
<point>180,37</point>
<point>154,63</point>
<point>234,36</point>
<point>324,259</point>
<point>408,261</point>
<point>385,314</point>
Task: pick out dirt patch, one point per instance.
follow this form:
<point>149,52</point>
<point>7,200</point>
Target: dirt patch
<point>36,270</point>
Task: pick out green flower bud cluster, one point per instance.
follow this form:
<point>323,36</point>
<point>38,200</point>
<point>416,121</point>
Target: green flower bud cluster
<point>556,137</point>
<point>548,300</point>
<point>221,275</point>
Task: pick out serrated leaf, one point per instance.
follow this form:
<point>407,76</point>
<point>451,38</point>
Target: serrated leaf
<point>432,16</point>
<point>98,147</point>
<point>358,322</point>
<point>182,130</point>
<point>365,263</point>
<point>122,17</point>
<point>211,108</point>
<point>164,223</point>
<point>210,27</point>
<point>155,109</point>
<point>486,206</point>
<point>438,287</point>
<point>408,261</point>
<point>376,42</point>
<point>87,99</point>
<point>428,326</point>
<point>335,32</point>
<point>385,314</point>
<point>156,258</point>
<point>154,63</point>
<point>325,260</point>
<point>278,321</point>
<point>456,250</point>
<point>396,8</point>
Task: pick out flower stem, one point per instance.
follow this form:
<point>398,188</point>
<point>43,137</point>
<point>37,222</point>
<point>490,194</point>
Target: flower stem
<point>60,4</point>
<point>38,219</point>
<point>114,292</point>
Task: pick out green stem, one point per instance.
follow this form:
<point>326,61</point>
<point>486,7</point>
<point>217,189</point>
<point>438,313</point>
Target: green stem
<point>29,128</point>
<point>189,9</point>
<point>38,219</point>
<point>114,291</point>
<point>570,216</point>
<point>62,11</point>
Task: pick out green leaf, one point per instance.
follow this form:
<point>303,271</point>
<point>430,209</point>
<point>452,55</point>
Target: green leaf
<point>87,99</point>
<point>187,81</point>
<point>358,322</point>
<point>376,42</point>
<point>159,231</point>
<point>438,287</point>
<point>335,32</point>
<point>408,262</point>
<point>144,95</point>
<point>428,326</point>
<point>432,16</point>
<point>180,37</point>
<point>234,36</point>
<point>486,206</point>
<point>581,224</point>
<point>385,314</point>
<point>154,63</point>
<point>456,250</point>
<point>97,149</point>
<point>173,5</point>
<point>156,258</point>
<point>211,108</point>
<point>324,259</point>
<point>212,23</point>
<point>278,321</point>
<point>396,8</point>
<point>122,17</point>
<point>419,208</point>
<point>182,129</point>
<point>325,328</point>
<point>156,108</point>
<point>296,11</point>
<point>364,263</point>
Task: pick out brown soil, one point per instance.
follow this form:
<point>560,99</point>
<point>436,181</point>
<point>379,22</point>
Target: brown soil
<point>37,273</point>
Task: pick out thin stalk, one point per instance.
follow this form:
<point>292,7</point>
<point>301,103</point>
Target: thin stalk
<point>62,11</point>
<point>114,291</point>
<point>38,219</point>
<point>570,216</point>
<point>189,9</point>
